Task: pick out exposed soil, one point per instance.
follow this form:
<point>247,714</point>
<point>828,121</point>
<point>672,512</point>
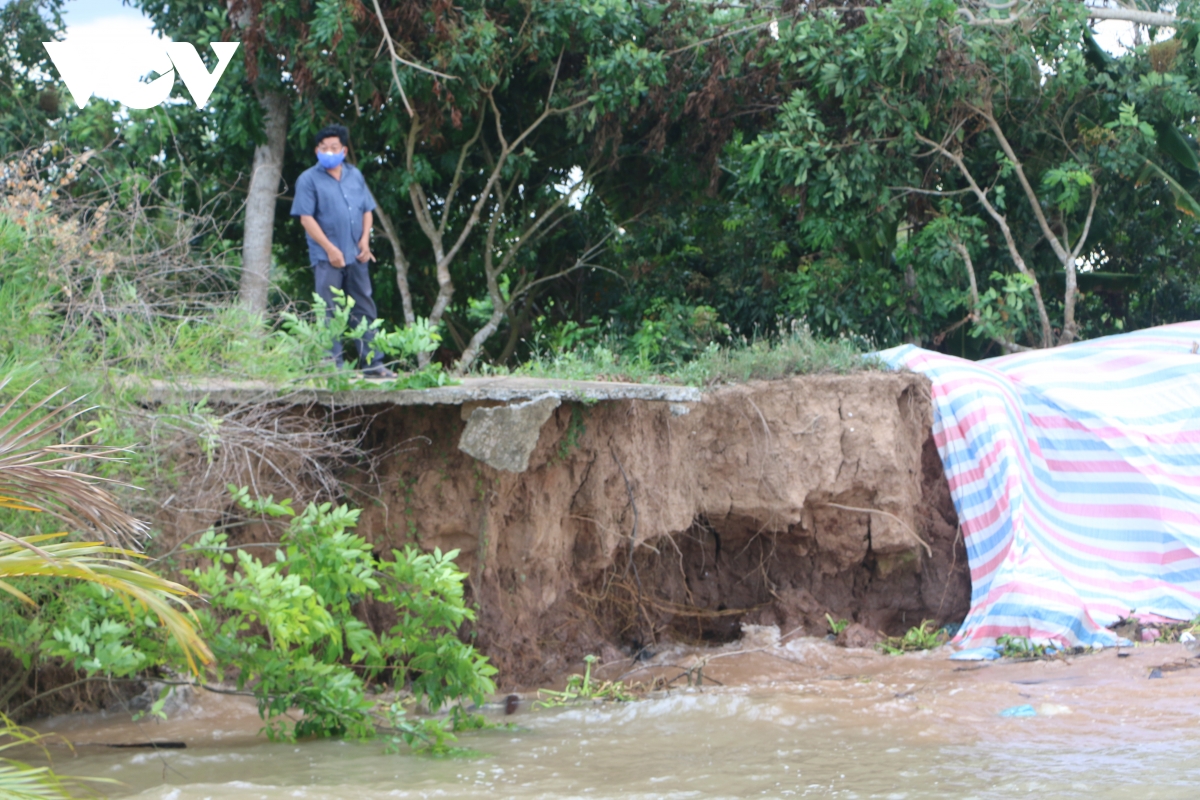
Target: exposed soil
<point>57,688</point>
<point>771,503</point>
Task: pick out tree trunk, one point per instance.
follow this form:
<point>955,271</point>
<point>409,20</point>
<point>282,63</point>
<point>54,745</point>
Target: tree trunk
<point>260,204</point>
<point>400,262</point>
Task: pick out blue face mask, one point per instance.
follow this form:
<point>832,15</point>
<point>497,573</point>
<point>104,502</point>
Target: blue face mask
<point>330,160</point>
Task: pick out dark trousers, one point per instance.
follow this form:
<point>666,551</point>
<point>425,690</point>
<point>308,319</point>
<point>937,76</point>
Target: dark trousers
<point>355,281</point>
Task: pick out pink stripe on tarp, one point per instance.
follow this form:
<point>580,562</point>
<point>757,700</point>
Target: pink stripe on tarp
<point>1111,365</point>
<point>1058,422</point>
<point>1095,585</point>
<point>1115,465</point>
<point>1097,547</point>
<point>981,468</point>
<point>990,566</point>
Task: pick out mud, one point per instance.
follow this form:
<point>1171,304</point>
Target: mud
<point>772,503</point>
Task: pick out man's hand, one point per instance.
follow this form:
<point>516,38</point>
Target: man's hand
<point>336,257</point>
<point>364,251</point>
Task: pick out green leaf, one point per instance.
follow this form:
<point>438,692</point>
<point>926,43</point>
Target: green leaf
<point>1173,143</point>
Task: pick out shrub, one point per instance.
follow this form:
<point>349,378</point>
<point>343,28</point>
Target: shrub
<point>289,630</point>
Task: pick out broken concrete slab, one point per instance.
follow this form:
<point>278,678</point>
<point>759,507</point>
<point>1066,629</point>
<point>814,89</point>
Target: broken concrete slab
<point>503,437</point>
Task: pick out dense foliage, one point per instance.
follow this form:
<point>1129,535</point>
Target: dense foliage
<point>289,626</point>
<point>287,629</point>
<point>918,147</point>
<point>634,167</point>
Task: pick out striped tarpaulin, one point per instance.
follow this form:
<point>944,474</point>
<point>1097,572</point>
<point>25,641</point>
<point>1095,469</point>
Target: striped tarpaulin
<point>1076,476</point>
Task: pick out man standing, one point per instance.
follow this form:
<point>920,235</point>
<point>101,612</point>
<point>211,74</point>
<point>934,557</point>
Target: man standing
<point>334,206</point>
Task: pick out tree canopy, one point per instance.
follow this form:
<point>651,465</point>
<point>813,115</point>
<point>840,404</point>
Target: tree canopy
<point>972,178</point>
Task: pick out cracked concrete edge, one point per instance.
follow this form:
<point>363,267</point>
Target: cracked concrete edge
<point>473,390</point>
<point>503,437</point>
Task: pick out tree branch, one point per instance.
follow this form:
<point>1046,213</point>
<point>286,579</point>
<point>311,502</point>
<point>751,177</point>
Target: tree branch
<point>933,192</point>
<point>1030,194</point>
<point>416,193</point>
<point>499,304</point>
<point>719,36</point>
<point>443,256</point>
<point>391,46</point>
<point>1156,19</point>
<point>1072,284</point>
<point>544,222</point>
<point>387,37</point>
<point>456,181</point>
<point>960,248</point>
<point>507,149</point>
<point>583,262</point>
<point>973,317</point>
<point>1002,222</point>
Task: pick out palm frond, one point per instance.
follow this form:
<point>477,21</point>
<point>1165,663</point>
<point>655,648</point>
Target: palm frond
<point>21,781</point>
<point>37,476</point>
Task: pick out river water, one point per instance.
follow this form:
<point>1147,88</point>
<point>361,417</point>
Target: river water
<point>803,720</point>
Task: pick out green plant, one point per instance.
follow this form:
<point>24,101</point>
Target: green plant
<point>289,627</point>
<point>925,636</point>
<point>430,376</point>
<point>430,735</point>
<point>35,478</point>
<point>794,351</point>
<point>313,339</point>
<point>836,626</point>
<point>581,687</point>
<point>1020,647</point>
<point>108,568</point>
<point>575,430</point>
<point>1005,309</point>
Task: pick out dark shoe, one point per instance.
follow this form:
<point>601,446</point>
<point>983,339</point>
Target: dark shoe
<point>378,372</point>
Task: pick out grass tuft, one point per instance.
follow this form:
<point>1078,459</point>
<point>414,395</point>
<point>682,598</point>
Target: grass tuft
<point>796,352</point>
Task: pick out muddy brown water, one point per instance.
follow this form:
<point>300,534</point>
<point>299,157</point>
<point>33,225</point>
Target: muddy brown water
<point>805,719</point>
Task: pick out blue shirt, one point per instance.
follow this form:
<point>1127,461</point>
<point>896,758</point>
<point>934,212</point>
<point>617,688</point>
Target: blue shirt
<point>337,206</point>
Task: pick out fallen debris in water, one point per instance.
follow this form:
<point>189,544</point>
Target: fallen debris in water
<point>857,635</point>
<point>1019,711</point>
<point>977,654</point>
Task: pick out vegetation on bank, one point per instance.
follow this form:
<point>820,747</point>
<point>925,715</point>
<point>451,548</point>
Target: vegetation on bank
<point>793,351</point>
<point>699,193</point>
<point>100,292</point>
<point>899,172</point>
<point>103,291</point>
<point>39,479</point>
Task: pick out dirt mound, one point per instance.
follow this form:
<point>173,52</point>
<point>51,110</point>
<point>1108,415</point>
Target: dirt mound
<point>769,503</point>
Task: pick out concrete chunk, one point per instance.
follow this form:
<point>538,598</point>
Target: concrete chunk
<point>504,437</point>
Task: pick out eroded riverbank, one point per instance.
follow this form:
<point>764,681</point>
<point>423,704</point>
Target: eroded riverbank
<point>805,719</point>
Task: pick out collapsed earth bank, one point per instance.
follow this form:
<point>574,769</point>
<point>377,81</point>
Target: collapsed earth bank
<point>772,502</point>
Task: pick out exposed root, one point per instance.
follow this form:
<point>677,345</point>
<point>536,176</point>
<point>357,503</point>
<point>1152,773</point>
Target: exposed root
<point>274,449</point>
<point>903,524</point>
